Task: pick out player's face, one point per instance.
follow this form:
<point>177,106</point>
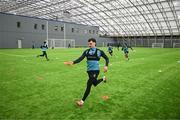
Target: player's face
<point>91,44</point>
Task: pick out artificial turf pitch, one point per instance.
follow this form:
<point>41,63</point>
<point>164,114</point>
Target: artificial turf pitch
<point>145,87</point>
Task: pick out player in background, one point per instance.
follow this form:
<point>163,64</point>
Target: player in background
<point>44,47</point>
<point>126,51</point>
<point>110,50</point>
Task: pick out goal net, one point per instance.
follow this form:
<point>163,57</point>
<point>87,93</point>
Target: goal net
<point>157,45</point>
<point>176,45</point>
<point>61,43</point>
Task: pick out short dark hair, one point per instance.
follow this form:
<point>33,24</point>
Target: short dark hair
<point>92,39</point>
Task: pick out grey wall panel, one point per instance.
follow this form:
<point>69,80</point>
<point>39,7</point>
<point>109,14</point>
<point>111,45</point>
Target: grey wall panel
<point>10,33</point>
<point>1,39</point>
<point>1,23</point>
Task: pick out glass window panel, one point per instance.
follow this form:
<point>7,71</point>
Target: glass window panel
<point>172,23</point>
<point>140,9</point>
<point>99,6</point>
<point>81,10</point>
<point>107,5</point>
<point>154,25</point>
<point>93,1</point>
<point>94,8</point>
<point>98,22</point>
<point>154,6</point>
<point>114,3</point>
<point>116,20</point>
<point>85,17</point>
<point>157,31</point>
<point>163,24</point>
<point>90,16</point>
<point>144,8</point>
<point>166,31</point>
<point>178,12</point>
<point>131,10</point>
<point>174,30</point>
<point>93,22</point>
<point>164,27</point>
<point>110,21</point>
<point>103,21</point>
<point>99,0</point>
<point>97,16</point>
<point>149,7</point>
<point>159,15</point>
<point>176,3</point>
<point>102,14</point>
<point>123,11</point>
<point>129,18</point>
<point>150,16</point>
<point>165,4</point>
<point>109,13</point>
<point>169,14</point>
<point>116,12</point>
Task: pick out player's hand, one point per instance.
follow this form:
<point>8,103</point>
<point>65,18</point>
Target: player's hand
<point>105,68</point>
<point>68,63</point>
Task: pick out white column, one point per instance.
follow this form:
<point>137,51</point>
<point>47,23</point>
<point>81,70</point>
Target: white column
<point>47,37</point>
<point>64,35</point>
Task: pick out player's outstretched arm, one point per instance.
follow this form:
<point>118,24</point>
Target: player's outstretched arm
<point>68,63</point>
<point>77,60</point>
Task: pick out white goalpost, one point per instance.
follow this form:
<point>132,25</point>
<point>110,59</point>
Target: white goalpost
<point>176,45</point>
<point>157,45</point>
<point>61,43</point>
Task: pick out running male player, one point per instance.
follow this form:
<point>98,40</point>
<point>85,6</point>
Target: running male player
<point>44,47</point>
<point>110,50</point>
<point>126,51</point>
<point>93,55</point>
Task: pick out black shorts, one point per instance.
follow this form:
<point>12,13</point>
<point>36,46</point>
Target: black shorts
<point>126,52</point>
<point>93,75</point>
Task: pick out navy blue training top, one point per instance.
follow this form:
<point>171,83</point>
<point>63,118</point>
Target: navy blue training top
<point>93,56</point>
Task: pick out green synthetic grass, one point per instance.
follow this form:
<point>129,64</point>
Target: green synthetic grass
<point>146,87</point>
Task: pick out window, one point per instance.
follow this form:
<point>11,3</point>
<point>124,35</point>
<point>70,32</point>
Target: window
<point>72,29</point>
<point>35,26</point>
<point>62,28</point>
<point>18,24</point>
<point>56,28</point>
<point>89,31</point>
<point>43,27</point>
